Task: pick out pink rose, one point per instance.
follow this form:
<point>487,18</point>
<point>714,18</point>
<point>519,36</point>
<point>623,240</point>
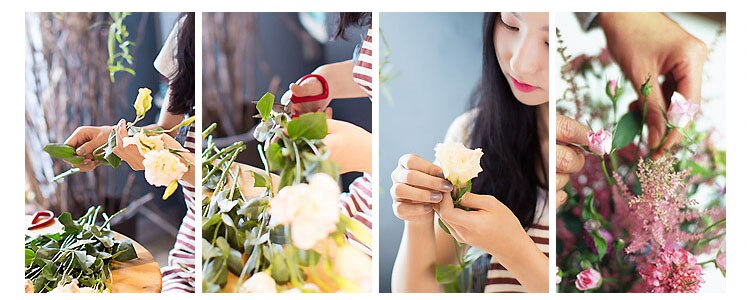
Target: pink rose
<point>612,88</point>
<point>588,279</point>
<point>600,142</point>
<point>681,111</point>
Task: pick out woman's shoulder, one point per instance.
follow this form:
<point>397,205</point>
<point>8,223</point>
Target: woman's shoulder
<point>460,129</point>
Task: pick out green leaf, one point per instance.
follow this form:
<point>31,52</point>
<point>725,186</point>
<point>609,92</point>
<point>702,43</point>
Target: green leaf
<point>125,251</point>
<point>446,274</point>
<point>260,180</point>
<point>600,243</point>
<point>287,176</point>
<point>589,211</point>
<point>30,255</point>
<point>60,150</point>
<point>627,128</point>
<point>311,126</point>
<point>442,225</point>
<point>109,154</point>
<point>275,158</point>
<point>265,105</point>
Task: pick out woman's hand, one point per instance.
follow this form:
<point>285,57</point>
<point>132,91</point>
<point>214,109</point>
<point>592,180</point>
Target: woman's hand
<point>349,146</point>
<point>417,184</point>
<point>490,226</point>
<point>85,140</point>
<point>569,159</point>
<point>308,87</point>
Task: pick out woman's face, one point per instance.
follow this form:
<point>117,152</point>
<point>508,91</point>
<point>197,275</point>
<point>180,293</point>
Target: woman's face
<point>522,50</point>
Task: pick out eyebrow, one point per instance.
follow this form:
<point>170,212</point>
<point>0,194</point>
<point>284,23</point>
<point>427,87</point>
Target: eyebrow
<point>544,28</point>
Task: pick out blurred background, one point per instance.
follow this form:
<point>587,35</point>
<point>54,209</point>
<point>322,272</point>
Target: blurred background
<point>68,85</point>
<point>434,64</point>
<point>246,55</point>
<point>709,28</point>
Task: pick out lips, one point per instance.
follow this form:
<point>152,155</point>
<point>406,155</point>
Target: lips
<point>521,86</point>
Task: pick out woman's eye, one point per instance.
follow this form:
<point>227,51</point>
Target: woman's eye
<point>511,28</point>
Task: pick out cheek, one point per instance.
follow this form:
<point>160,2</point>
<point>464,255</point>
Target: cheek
<point>504,48</point>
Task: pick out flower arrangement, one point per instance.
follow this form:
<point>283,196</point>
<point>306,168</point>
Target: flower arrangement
<point>634,223</point>
<point>163,166</point>
<point>460,165</point>
<point>279,229</point>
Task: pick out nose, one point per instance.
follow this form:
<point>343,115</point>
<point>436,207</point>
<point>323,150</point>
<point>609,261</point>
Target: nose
<point>527,59</point>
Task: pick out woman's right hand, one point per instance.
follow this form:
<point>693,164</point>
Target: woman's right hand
<point>417,185</point>
<point>308,87</point>
<point>85,140</point>
<point>569,159</point>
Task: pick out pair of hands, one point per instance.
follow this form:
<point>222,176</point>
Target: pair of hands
<point>643,44</point>
<point>419,190</point>
<point>87,138</point>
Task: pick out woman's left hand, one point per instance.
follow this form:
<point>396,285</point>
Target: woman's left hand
<point>491,226</point>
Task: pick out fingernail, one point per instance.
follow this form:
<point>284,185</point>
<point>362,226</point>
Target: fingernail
<point>441,175</point>
<point>427,207</point>
<point>447,186</point>
<point>80,152</point>
<point>436,197</point>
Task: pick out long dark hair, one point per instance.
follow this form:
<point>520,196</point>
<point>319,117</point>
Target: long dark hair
<point>182,82</point>
<point>507,132</point>
<point>347,19</point>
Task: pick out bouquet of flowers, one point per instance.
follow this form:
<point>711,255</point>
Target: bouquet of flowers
<point>281,232</point>
<point>633,223</point>
<point>163,166</point>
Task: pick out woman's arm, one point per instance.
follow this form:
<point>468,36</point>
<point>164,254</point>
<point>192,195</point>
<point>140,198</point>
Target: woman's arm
<point>414,269</point>
<point>526,262</point>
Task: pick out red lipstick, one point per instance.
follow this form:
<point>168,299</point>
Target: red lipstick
<point>523,87</point>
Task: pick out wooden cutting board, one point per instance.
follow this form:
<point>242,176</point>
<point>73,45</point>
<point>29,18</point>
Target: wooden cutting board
<point>141,275</point>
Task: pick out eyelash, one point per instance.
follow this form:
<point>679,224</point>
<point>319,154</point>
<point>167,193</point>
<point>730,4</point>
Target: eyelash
<point>511,28</point>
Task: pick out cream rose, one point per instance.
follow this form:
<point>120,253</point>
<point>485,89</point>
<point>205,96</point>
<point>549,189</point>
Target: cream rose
<point>259,283</point>
<point>354,265</point>
<point>311,209</point>
<point>142,101</point>
<point>144,142</point>
<point>162,167</point>
<point>459,164</point>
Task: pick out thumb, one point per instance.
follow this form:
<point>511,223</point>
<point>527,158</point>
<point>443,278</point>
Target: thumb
<point>305,89</point>
<point>478,202</point>
<point>87,148</point>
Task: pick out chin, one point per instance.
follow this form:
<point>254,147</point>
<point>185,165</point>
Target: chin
<point>533,98</point>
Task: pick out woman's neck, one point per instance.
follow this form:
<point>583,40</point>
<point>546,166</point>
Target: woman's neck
<point>542,117</point>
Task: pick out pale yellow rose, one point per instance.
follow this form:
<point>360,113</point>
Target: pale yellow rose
<point>459,164</point>
<point>142,101</point>
<point>162,167</point>
<point>260,282</point>
<point>354,265</point>
<point>310,208</point>
<point>144,142</point>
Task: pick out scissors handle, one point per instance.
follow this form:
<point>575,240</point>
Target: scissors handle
<point>41,219</point>
<point>324,95</point>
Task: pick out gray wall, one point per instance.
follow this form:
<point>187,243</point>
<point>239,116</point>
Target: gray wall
<point>438,60</point>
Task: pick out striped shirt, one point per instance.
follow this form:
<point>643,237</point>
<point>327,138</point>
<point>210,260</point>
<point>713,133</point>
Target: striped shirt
<point>179,274</point>
<point>498,279</point>
<point>362,72</point>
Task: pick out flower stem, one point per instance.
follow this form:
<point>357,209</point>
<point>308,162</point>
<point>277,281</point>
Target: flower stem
<point>606,174</point>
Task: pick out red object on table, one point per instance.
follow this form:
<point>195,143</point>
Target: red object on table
<point>41,219</point>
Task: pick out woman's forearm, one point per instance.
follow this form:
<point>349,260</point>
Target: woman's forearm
<point>527,263</point>
<point>414,269</point>
<point>340,80</point>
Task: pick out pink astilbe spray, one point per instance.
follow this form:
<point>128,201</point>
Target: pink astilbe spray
<point>655,215</point>
<point>674,270</point>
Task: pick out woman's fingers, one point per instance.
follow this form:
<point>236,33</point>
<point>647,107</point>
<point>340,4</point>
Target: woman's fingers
<point>449,213</point>
<point>570,131</point>
<point>414,162</point>
<point>478,202</point>
<point>562,196</point>
<point>405,209</point>
<point>422,180</point>
<point>120,133</point>
<point>405,191</point>
<point>561,180</point>
<point>568,160</point>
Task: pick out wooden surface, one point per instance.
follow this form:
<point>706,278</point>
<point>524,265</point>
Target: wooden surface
<point>141,275</point>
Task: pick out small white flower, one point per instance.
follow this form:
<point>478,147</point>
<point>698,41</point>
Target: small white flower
<point>260,282</point>
<point>354,265</point>
<point>162,167</point>
<point>310,208</point>
<point>144,142</point>
<point>459,164</point>
<point>142,101</point>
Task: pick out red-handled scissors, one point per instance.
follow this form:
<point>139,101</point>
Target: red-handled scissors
<point>324,95</point>
<point>41,219</point>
